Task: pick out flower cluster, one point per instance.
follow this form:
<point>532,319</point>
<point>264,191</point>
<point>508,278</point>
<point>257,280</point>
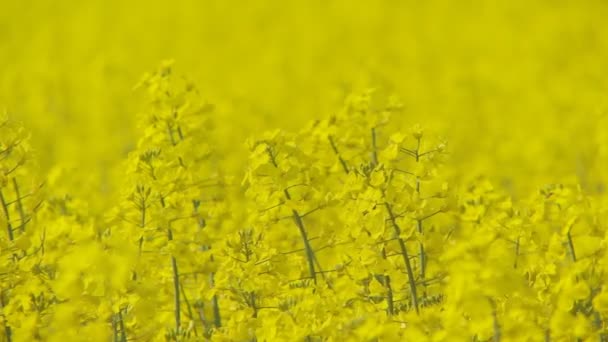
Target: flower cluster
<point>349,229</point>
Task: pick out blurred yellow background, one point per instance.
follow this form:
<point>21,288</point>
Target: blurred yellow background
<point>518,88</point>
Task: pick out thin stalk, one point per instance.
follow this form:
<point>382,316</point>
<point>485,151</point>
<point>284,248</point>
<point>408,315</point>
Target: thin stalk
<point>390,300</point>
<point>310,255</point>
<point>142,224</point>
<point>597,321</point>
<point>189,307</point>
<point>170,133</point>
<point>19,205</point>
<point>114,329</point>
<point>335,149</point>
<point>180,133</point>
<point>397,229</point>
<point>123,332</point>
<point>387,279</point>
<point>217,319</point>
<point>495,324</point>
<point>374,148</point>
<point>419,225</point>
<point>517,247</point>
<point>571,246</point>
<point>176,286</point>
<point>9,226</point>
<point>7,329</point>
<point>201,316</point>
<point>176,290</point>
<point>406,259</point>
<point>253,305</point>
<point>421,252</point>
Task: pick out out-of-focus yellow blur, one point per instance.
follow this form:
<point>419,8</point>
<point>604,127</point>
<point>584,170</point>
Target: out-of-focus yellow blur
<point>517,87</point>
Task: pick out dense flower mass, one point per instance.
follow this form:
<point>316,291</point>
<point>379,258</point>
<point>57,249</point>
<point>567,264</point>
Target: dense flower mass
<point>339,171</point>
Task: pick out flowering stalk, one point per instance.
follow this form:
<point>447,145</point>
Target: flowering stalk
<point>310,255</point>
<point>9,226</point>
<point>406,258</point>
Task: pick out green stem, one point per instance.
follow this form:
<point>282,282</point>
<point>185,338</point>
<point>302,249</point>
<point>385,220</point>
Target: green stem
<point>9,226</point>
<point>123,332</point>
<point>389,295</point>
<point>496,325</point>
<point>406,258</point>
<point>142,224</point>
<point>335,149</point>
<point>176,286</point>
<point>176,290</point>
<point>419,224</point>
<point>253,304</point>
<point>189,307</point>
<point>571,246</point>
<point>7,329</point>
<point>310,255</point>
<point>217,319</point>
<point>389,290</point>
<point>374,148</point>
<point>114,329</point>
<point>517,247</point>
<point>421,253</point>
<point>597,321</point>
<point>170,133</point>
<point>19,205</point>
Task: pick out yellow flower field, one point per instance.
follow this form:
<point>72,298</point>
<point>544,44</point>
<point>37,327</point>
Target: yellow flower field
<point>304,170</point>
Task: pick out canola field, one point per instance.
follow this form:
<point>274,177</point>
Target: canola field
<point>338,170</point>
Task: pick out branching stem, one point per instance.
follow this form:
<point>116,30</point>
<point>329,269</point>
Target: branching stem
<point>406,258</point>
